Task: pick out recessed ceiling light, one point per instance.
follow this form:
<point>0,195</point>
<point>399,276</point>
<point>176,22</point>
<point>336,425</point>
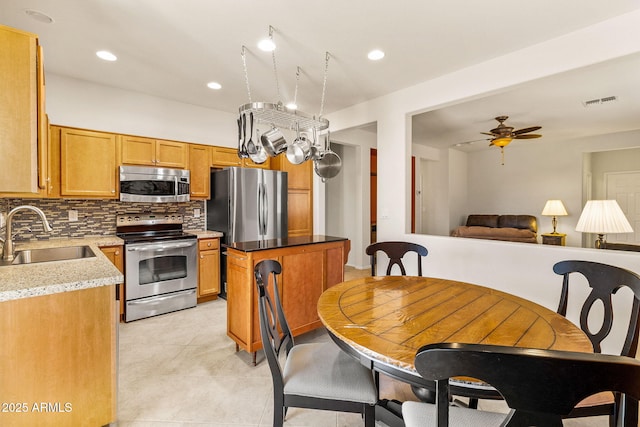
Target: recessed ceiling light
<point>214,85</point>
<point>375,55</point>
<point>106,55</point>
<point>291,106</point>
<point>266,45</point>
<point>39,16</point>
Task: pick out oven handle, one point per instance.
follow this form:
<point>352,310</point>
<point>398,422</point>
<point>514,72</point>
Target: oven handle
<point>161,247</point>
<point>158,299</point>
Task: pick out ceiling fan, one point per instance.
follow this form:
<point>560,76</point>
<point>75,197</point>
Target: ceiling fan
<point>502,135</point>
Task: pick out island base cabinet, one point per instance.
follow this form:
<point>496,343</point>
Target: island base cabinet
<point>58,358</point>
<point>307,271</point>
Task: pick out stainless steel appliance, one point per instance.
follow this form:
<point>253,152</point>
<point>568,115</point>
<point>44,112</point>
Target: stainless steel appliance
<point>247,205</point>
<point>161,273</point>
<point>154,185</point>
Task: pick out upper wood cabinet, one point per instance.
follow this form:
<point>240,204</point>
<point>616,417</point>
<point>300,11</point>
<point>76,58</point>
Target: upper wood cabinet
<point>88,163</point>
<point>299,196</point>
<point>200,168</point>
<point>23,129</point>
<point>153,152</point>
<point>222,157</point>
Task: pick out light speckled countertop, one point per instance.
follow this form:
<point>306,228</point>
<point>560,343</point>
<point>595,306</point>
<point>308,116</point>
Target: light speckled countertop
<point>205,234</point>
<point>29,280</point>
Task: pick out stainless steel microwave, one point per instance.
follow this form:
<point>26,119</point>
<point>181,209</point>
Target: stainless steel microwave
<point>154,185</point>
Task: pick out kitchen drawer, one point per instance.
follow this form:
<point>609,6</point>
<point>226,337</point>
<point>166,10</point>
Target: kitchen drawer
<point>208,244</point>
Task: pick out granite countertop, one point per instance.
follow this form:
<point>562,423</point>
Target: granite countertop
<point>205,234</point>
<point>45,278</point>
<point>261,245</point>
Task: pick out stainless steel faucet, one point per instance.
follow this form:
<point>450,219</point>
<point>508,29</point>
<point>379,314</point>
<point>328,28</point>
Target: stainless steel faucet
<point>8,251</point>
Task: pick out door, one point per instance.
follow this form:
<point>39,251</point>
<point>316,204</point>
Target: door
<point>624,187</point>
<point>244,207</point>
<point>274,204</point>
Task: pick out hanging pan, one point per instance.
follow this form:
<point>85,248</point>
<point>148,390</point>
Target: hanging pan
<point>330,163</point>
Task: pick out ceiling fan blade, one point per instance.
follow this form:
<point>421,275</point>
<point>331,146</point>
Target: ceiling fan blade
<point>488,133</point>
<point>527,136</point>
<point>526,130</point>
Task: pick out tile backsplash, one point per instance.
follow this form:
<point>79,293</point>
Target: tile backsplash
<point>95,217</point>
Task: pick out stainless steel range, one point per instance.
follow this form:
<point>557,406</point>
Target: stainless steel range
<point>161,273</point>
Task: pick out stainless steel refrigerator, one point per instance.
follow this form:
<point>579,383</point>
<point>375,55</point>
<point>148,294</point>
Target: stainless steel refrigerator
<point>246,205</point>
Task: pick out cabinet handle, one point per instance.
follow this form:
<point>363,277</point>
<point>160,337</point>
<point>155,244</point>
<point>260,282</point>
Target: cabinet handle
<point>209,244</point>
<point>117,252</point>
<point>113,191</point>
<point>201,256</point>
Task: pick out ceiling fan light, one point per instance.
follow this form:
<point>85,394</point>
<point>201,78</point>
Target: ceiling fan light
<point>502,141</point>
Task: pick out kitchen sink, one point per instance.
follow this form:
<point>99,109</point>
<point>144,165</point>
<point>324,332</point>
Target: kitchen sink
<point>31,256</point>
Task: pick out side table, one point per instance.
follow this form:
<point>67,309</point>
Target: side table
<point>558,239</point>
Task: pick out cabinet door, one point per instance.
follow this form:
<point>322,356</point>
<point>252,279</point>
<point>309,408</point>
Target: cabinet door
<point>171,154</point>
<point>222,157</point>
<point>300,212</point>
<point>138,151</point>
<point>199,165</point>
<point>209,273</point>
<point>300,307</point>
<point>116,256</point>
<point>18,111</point>
<point>240,299</point>
<point>250,164</point>
<point>88,163</point>
<point>300,195</point>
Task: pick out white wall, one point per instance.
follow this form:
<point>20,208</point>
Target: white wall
<point>78,103</point>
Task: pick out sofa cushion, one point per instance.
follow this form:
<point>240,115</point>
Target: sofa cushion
<point>482,221</point>
<point>524,222</point>
<point>504,233</point>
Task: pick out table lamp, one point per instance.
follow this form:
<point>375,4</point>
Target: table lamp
<point>554,208</point>
<point>603,217</point>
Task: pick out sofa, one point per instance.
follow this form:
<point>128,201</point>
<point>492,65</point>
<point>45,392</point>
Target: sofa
<point>512,228</point>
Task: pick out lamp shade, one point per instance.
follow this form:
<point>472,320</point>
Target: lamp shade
<point>603,217</point>
<point>554,208</point>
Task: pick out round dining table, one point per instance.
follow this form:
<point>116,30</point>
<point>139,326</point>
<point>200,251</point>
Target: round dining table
<point>383,321</point>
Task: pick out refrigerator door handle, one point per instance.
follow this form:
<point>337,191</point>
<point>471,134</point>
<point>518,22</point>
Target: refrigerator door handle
<point>265,207</point>
<point>233,207</point>
<point>260,214</point>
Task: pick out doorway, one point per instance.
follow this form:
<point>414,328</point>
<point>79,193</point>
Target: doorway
<point>624,187</point>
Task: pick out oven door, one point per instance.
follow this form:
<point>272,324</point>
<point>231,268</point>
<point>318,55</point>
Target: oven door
<point>160,268</point>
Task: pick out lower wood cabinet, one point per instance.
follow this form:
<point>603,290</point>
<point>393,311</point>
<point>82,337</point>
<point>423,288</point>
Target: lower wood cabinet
<point>116,256</point>
<point>58,359</point>
<point>208,269</point>
<point>307,271</point>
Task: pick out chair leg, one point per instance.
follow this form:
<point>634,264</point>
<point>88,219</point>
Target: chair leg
<point>369,415</point>
<point>473,403</point>
<point>278,411</point>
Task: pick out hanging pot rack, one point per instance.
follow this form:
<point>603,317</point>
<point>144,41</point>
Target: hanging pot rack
<point>278,115</point>
<point>275,114</point>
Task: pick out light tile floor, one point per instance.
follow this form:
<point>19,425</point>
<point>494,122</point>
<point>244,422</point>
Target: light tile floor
<point>181,369</point>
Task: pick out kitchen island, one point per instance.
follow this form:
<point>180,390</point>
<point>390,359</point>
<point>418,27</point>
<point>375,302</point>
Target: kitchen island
<point>58,323</point>
<point>310,265</point>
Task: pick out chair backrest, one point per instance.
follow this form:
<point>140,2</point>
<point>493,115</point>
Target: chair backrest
<point>395,251</point>
<point>604,280</point>
<point>274,329</point>
<point>540,386</point>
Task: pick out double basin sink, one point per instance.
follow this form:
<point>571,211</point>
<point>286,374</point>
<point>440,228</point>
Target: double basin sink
<point>32,256</point>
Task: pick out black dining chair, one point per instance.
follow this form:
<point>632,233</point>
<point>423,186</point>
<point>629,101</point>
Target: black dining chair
<point>540,386</point>
<point>604,280</point>
<point>395,251</point>
<point>314,375</point>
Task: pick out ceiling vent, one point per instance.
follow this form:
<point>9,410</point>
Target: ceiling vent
<point>600,101</point>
